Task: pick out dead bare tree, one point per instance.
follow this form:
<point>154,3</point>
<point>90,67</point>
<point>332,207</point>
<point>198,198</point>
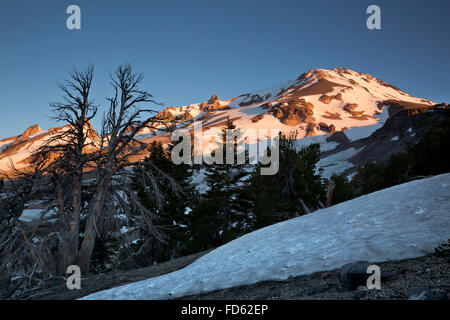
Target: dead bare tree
<point>330,193</point>
<point>74,150</point>
<point>121,124</point>
<point>66,157</point>
<point>21,256</point>
<point>12,202</point>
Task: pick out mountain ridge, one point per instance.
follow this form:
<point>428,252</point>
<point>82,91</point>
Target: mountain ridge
<point>318,102</point>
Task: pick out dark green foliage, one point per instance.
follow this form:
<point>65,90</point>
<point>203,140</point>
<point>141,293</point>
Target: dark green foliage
<point>443,250</point>
<point>343,190</point>
<point>105,250</point>
<point>373,177</point>
<point>218,217</point>
<point>431,155</point>
<point>428,156</point>
<point>203,225</point>
<point>279,197</point>
<point>104,254</point>
<point>171,215</point>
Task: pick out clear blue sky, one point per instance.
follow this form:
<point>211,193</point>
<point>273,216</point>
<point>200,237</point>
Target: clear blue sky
<point>189,50</point>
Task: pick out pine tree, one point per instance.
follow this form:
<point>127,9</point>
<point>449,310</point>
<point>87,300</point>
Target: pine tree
<point>218,217</point>
<point>295,190</point>
<point>172,214</point>
<point>203,226</point>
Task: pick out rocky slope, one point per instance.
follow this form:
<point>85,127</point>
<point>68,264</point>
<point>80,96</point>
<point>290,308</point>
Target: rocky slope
<point>407,279</point>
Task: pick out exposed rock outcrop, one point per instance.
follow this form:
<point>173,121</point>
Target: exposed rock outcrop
<point>358,115</point>
<point>253,99</point>
<point>332,115</point>
<point>294,112</point>
<point>165,114</point>
<point>185,116</point>
<point>350,107</point>
<point>331,128</point>
<point>31,130</point>
<point>212,104</point>
<point>310,129</point>
<point>326,128</point>
<point>327,99</point>
<point>257,118</point>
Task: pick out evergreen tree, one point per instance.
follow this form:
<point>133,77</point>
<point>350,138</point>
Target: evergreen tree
<point>431,154</point>
<point>218,217</point>
<point>293,191</point>
<point>203,226</point>
<point>172,218</point>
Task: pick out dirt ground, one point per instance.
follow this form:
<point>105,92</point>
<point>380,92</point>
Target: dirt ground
<point>94,283</point>
<point>429,272</point>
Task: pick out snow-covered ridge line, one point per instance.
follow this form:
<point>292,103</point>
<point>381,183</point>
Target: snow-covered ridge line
<point>402,222</point>
<point>317,103</point>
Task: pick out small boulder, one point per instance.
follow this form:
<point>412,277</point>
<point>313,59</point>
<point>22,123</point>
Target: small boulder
<point>331,128</point>
<point>350,107</point>
<point>325,99</point>
<point>353,275</point>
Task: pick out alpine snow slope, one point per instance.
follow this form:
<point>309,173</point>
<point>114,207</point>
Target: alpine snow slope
<point>319,103</point>
<point>402,222</point>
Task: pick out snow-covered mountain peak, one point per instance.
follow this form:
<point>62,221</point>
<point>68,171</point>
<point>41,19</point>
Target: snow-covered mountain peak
<point>318,102</point>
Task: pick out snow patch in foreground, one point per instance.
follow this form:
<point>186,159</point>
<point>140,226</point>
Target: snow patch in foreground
<point>402,222</point>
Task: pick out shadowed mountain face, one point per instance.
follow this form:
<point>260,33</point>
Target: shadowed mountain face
<point>399,130</point>
<point>333,107</point>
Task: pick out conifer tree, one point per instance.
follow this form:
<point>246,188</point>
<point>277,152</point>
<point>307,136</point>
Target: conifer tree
<point>218,217</point>
<point>171,214</point>
<point>295,190</point>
